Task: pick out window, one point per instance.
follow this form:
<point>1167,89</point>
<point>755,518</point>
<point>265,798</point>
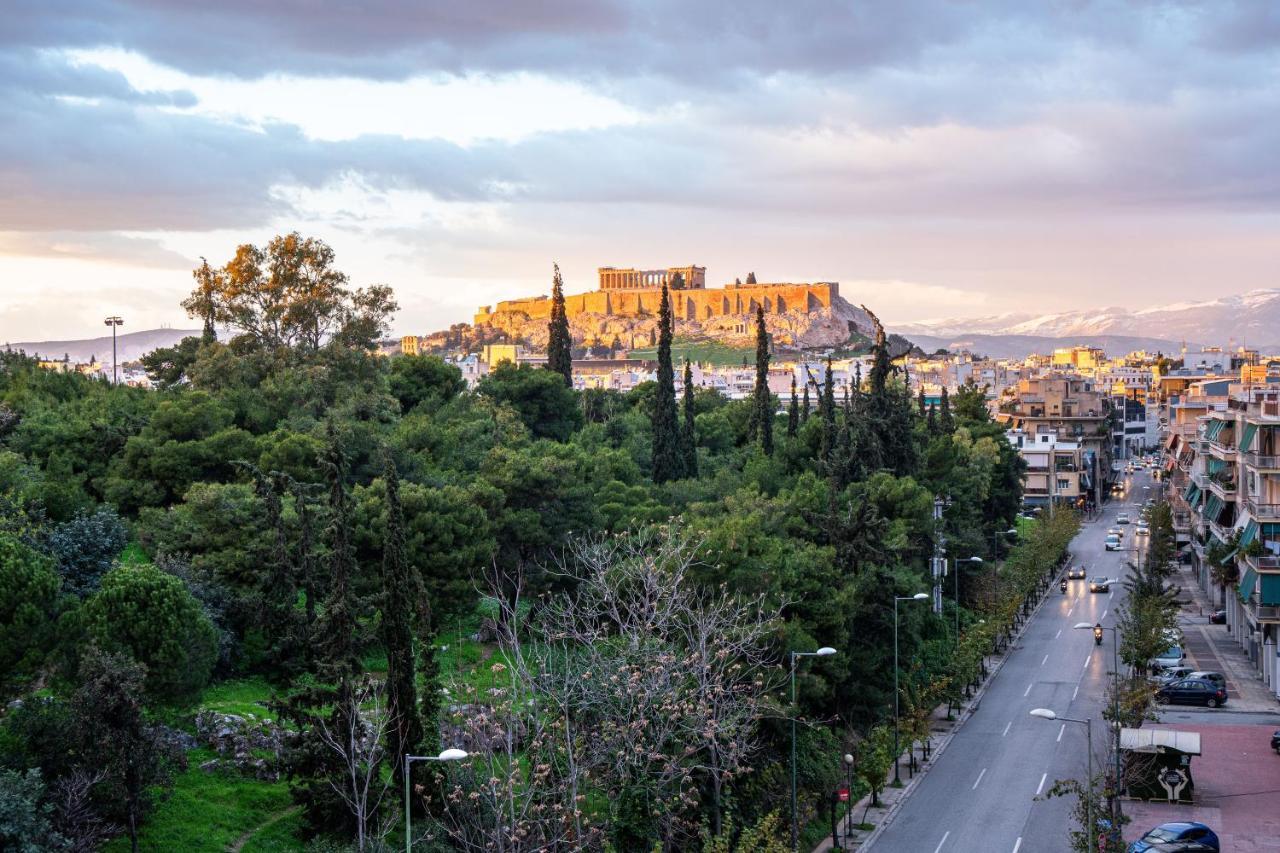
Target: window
<point>1063,484</point>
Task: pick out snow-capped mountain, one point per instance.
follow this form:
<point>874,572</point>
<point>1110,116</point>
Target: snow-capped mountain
<point>1249,319</point>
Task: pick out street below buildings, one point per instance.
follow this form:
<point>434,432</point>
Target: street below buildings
<point>981,793</point>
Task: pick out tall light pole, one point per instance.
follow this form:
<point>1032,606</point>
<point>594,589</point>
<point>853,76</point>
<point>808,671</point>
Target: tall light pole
<point>820,653</point>
<point>957,562</point>
<point>995,540</point>
<point>113,322</point>
<point>897,750</point>
<point>447,755</point>
<point>1097,629</point>
<point>1045,713</point>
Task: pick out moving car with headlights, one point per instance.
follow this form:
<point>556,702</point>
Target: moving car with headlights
<point>1113,543</point>
<point>1122,518</point>
<point>1076,573</point>
<point>1142,529</point>
<point>1100,584</point>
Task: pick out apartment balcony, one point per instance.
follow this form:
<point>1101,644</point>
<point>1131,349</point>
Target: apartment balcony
<point>1263,563</point>
<point>1222,451</point>
<point>1263,612</point>
<point>1223,533</point>
<point>1182,522</point>
<point>1262,461</point>
<point>1262,511</point>
<point>1225,490</point>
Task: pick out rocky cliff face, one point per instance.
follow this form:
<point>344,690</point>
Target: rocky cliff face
<point>824,327</point>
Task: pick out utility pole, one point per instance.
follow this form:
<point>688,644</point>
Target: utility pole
<point>939,561</point>
<point>113,322</point>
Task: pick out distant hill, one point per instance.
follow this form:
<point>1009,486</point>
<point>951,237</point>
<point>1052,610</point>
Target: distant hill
<point>1020,346</point>
<point>1247,319</point>
<point>129,347</point>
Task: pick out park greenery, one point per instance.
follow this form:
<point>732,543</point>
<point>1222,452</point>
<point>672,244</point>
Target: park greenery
<point>593,593</point>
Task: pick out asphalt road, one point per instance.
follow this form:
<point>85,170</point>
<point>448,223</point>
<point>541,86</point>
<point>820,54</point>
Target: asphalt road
<point>980,794</point>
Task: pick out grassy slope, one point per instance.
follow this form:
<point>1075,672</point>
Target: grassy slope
<point>704,351</point>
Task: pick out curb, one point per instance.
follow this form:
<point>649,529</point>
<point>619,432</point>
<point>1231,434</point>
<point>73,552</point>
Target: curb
<point>968,711</point>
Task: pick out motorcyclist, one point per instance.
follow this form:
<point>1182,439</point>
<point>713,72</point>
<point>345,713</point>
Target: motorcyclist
<point>1097,634</point>
<point>1063,585</point>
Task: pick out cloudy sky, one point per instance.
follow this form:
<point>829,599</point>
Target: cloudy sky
<point>937,158</point>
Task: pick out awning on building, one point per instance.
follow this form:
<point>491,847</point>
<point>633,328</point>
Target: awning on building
<point>1246,438</point>
<point>1170,441</point>
<point>1215,465</point>
<point>1250,531</point>
<point>1247,582</point>
<point>1196,498</point>
<point>1213,508</point>
<point>1190,490</point>
<point>1269,592</point>
<point>1153,740</point>
<point>1214,430</point>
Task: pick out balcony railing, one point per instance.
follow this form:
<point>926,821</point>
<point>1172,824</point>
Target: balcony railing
<point>1263,562</point>
<point>1264,612</point>
<point>1262,461</point>
<point>1223,450</point>
<point>1262,511</point>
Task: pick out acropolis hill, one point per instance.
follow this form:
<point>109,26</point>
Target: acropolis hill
<point>625,309</point>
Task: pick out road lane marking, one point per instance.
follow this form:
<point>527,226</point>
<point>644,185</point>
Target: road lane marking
<point>1086,662</point>
<point>1010,723</point>
<point>1073,607</point>
<point>1039,788</point>
<point>1046,660</point>
<point>1073,698</point>
<point>1057,635</point>
<point>1018,843</point>
<point>1027,691</point>
<point>942,842</point>
<point>1104,614</point>
<point>1060,731</point>
<point>979,779</point>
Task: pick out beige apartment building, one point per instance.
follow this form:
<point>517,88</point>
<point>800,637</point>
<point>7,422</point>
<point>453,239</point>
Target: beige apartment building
<point>1055,469</point>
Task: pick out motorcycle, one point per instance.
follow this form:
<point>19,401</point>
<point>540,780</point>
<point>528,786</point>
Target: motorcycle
<point>1063,586</point>
<point>1097,635</point>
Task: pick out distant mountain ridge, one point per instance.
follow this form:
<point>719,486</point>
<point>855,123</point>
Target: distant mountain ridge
<point>130,346</point>
<point>1251,319</point>
<point>1021,346</point>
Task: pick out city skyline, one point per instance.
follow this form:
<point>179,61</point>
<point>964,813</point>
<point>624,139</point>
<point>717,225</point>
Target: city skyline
<point>936,159</point>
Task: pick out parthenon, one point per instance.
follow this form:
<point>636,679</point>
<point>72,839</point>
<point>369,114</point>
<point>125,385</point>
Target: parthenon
<point>612,278</point>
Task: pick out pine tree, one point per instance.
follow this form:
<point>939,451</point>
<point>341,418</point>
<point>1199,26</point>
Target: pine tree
<point>398,605</point>
<point>666,452</point>
<point>689,436</point>
<point>946,422</point>
<point>204,306</point>
<point>932,420</point>
<point>559,344</point>
<point>761,426</point>
<point>793,411</point>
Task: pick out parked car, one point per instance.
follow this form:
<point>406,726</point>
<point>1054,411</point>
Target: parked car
<point>1076,573</point>
<point>1172,656</point>
<point>1275,741</point>
<point>1218,617</point>
<point>1173,673</point>
<point>1166,833</point>
<point>1113,543</point>
<point>1122,518</point>
<point>1217,679</point>
<point>1191,691</point>
<point>1100,584</point>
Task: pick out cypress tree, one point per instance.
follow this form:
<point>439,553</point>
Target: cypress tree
<point>279,590</point>
<point>398,604</point>
<point>751,278</point>
<point>689,437</point>
<point>804,402</point>
<point>827,411</point>
<point>932,420</point>
<point>945,421</point>
<point>762,411</point>
<point>920,399</point>
<point>793,411</point>
<point>666,452</point>
<point>559,344</point>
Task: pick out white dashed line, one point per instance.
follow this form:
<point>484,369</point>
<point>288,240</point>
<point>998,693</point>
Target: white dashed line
<point>1027,691</point>
<point>1104,614</point>
<point>979,779</point>
<point>1060,731</point>
<point>1046,660</point>
<point>1010,723</point>
<point>1057,635</point>
<point>942,842</point>
<point>1073,696</point>
<point>1086,662</point>
<point>1073,607</point>
<point>1039,788</point>
<point>1018,843</point>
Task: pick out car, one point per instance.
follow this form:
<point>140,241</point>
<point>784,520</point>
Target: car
<point>1100,584</point>
<point>1217,679</point>
<point>1173,673</point>
<point>1218,617</point>
<point>1172,656</point>
<point>1076,573</point>
<point>1115,531</point>
<point>1191,691</point>
<point>1122,518</point>
<point>1113,543</point>
<point>1142,530</point>
<point>1166,833</point>
<point>1275,741</point>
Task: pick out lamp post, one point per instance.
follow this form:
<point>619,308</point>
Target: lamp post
<point>820,653</point>
<point>897,750</point>
<point>995,540</point>
<point>1097,629</point>
<point>1046,714</point>
<point>113,322</point>
<point>447,755</point>
<point>957,562</point>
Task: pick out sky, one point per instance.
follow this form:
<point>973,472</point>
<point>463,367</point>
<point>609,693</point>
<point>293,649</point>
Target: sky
<point>938,158</point>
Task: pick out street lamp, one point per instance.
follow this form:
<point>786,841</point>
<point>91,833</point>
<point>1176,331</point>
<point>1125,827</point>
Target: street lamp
<point>995,540</point>
<point>820,653</point>
<point>971,560</point>
<point>1097,629</point>
<point>1046,714</point>
<point>897,750</point>
<point>452,754</point>
<point>113,322</point>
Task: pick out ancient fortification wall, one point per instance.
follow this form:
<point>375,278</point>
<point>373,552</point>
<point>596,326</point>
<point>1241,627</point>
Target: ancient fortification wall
<point>693,304</point>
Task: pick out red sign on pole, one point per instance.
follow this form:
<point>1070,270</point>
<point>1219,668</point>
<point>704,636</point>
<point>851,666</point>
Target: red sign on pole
<point>844,795</point>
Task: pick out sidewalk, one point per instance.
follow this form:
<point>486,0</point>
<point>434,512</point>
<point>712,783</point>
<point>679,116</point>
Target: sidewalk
<point>1210,647</point>
<point>891,799</point>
